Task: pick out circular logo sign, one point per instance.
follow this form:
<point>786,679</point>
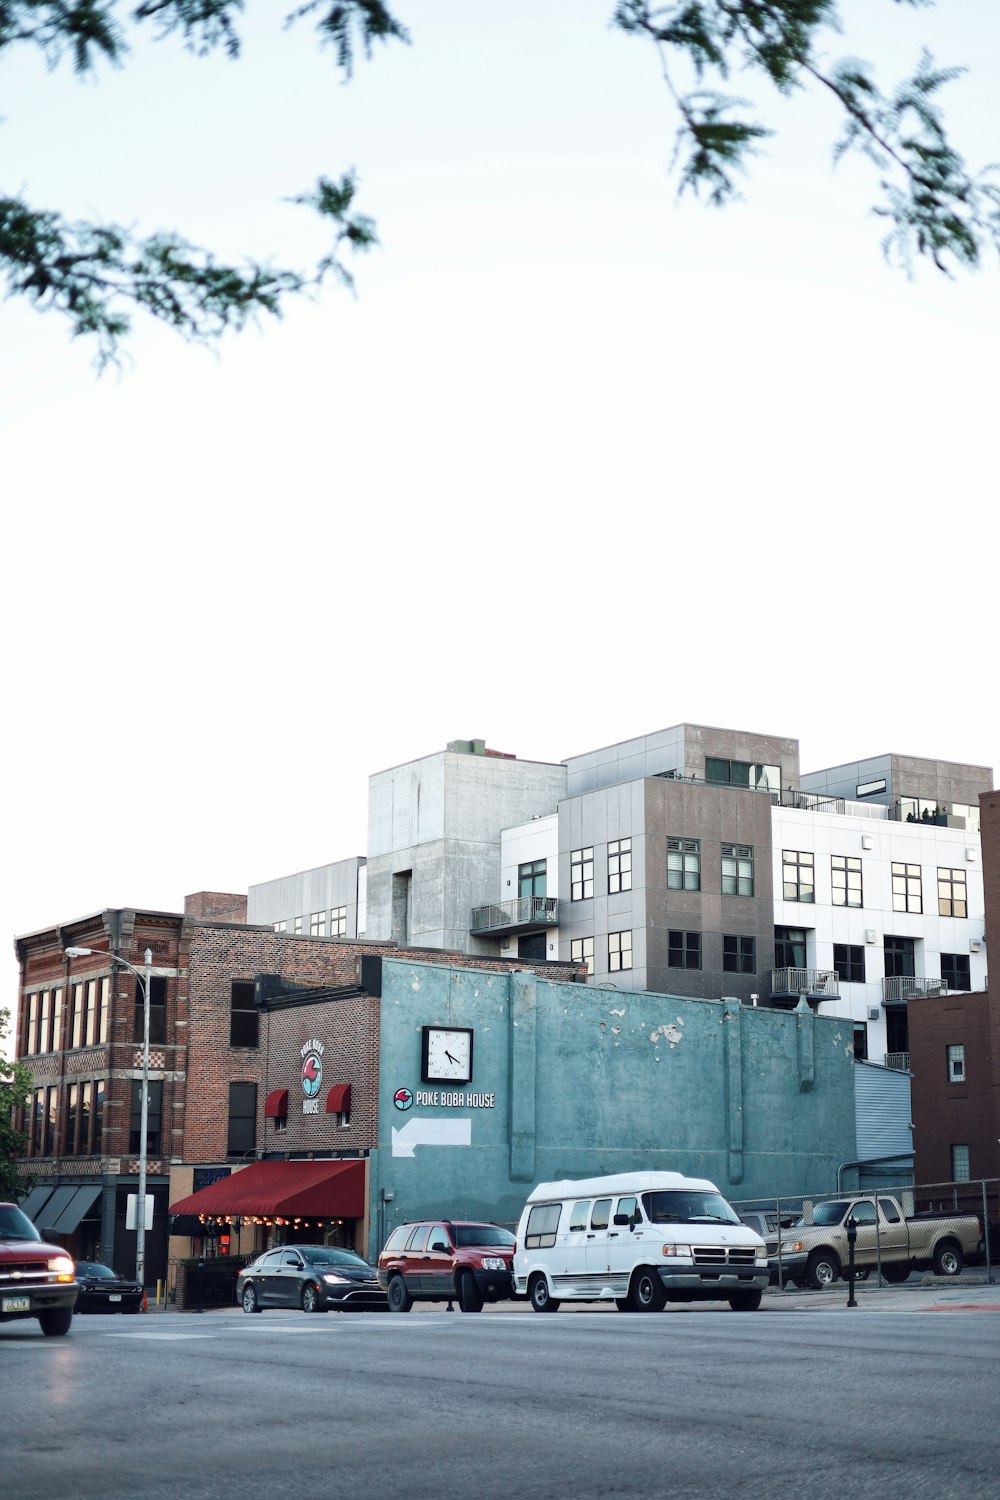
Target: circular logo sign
<point>402,1098</point>
<point>312,1074</point>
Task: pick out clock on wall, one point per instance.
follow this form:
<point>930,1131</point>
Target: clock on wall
<point>446,1054</point>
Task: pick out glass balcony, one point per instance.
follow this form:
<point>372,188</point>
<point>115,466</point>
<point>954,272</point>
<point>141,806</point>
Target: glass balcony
<point>527,914</point>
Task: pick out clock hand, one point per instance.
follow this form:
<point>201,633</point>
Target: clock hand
<point>449,1056</point>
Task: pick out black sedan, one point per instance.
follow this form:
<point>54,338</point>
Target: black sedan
<point>102,1291</point>
<point>316,1278</point>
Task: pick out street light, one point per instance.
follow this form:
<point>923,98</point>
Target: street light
<point>143,978</point>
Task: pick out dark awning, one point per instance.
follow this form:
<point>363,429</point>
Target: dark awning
<point>82,1200</point>
<point>276,1105</point>
<point>338,1100</point>
<point>284,1189</point>
<point>46,1216</point>
<point>34,1201</point>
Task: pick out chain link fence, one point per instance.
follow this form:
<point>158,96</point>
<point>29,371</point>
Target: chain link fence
<point>931,1232</point>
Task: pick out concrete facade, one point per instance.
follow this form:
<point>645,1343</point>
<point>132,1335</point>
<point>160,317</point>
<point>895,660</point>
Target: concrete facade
<point>573,1080</point>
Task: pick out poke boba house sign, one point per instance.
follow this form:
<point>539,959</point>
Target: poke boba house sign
<point>311,1053</point>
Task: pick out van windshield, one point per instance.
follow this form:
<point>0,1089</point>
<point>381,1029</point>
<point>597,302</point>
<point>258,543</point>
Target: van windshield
<point>691,1207</point>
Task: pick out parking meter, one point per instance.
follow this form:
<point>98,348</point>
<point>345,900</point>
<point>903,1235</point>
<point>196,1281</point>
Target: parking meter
<point>852,1235</point>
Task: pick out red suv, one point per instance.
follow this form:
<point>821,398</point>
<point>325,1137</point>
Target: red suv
<point>444,1260</point>
<point>36,1280</point>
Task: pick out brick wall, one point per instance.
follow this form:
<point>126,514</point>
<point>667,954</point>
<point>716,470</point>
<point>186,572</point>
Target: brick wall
<point>944,1113</point>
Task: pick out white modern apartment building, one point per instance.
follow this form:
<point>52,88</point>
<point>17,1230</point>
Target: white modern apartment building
<point>695,861</point>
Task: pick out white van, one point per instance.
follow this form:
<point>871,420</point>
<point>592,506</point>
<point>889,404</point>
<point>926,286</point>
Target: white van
<point>642,1239</point>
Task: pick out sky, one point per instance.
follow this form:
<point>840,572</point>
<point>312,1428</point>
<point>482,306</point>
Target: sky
<point>578,461</point>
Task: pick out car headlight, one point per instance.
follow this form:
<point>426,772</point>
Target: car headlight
<point>684,1251</point>
<point>63,1267</point>
<point>494,1263</point>
<point>332,1279</point>
<point>790,1247</point>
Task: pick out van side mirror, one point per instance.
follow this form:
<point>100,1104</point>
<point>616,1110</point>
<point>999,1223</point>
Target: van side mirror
<point>624,1219</point>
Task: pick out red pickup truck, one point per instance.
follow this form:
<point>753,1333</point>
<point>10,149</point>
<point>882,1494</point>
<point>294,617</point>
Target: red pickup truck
<point>36,1280</point>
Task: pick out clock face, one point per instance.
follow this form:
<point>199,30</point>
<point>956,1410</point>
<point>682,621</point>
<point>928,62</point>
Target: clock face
<point>447,1054</point>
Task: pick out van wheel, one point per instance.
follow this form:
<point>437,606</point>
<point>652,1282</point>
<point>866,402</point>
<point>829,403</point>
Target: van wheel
<point>647,1292</point>
<point>538,1292</point>
<point>470,1298</point>
<point>745,1301</point>
<point>399,1298</point>
<point>947,1259</point>
<point>822,1269</point>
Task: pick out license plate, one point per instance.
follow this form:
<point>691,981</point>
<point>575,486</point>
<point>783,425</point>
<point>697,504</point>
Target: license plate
<point>16,1304</point>
<point>115,1297</point>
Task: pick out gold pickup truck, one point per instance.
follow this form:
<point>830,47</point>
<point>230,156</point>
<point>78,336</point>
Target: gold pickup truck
<point>814,1250</point>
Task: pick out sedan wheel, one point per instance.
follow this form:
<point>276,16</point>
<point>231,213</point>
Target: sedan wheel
<point>250,1303</point>
<point>310,1299</point>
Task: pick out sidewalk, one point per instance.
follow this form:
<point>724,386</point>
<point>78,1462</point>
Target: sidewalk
<point>929,1295</point>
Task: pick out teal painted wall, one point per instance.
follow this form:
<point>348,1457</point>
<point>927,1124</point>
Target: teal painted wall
<point>587,1080</point>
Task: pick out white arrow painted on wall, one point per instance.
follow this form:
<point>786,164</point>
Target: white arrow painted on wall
<point>430,1133</point>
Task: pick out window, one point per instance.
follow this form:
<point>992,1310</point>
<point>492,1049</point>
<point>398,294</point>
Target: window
<point>90,1031</point>
<point>789,948</point>
<point>98,1117</point>
<point>281,926</point>
<point>43,1021</point>
<point>955,971</point>
<point>86,1115</point>
<point>970,814</point>
<point>619,866</point>
<point>899,953</point>
<point>531,879</point>
<point>959,1163</point>
<point>157,1011</point>
<point>846,880</point>
<point>798,876</point>
<point>906,888</point>
<point>57,1007</point>
<point>297,925</point>
<point>578,1216</point>
<point>600,1218</point>
<point>582,952</point>
<point>737,870</point>
<point>684,950</point>
<point>869,788</point>
<point>317,923</point>
<point>243,1018</point>
<point>849,963</point>
<point>683,864</point>
<point>242,1135</point>
<point>581,874</point>
<point>742,773</point>
<point>75,1027</point>
<point>69,1123</point>
<point>956,1063</point>
<point>861,1041</point>
<point>540,1230</point>
<point>154,1108</point>
<point>619,951</point>
<point>338,921</point>
<point>739,955</point>
<point>952,899</point>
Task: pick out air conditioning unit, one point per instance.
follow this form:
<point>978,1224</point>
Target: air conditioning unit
<point>874,1013</point>
<point>871,936</point>
<point>971,855</point>
<point>866,841</point>
<point>975,946</point>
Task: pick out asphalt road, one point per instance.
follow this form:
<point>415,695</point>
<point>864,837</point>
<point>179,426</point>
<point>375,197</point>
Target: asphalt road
<point>585,1403</point>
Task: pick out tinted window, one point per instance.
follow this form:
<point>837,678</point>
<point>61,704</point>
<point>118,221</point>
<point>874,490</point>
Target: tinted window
<point>291,1258</point>
<point>397,1238</point>
<point>439,1238</point>
<point>332,1255</point>
<point>481,1234</point>
<point>95,1269</point>
<point>628,1206</point>
<point>601,1216</point>
<point>578,1216</point>
<point>692,1206</point>
<point>418,1240</point>
<point>889,1209</point>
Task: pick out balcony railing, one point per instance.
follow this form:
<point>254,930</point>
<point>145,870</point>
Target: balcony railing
<point>899,1061</point>
<point>902,987</point>
<point>815,984</point>
<point>522,915</point>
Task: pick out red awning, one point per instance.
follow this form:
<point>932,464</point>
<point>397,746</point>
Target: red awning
<point>338,1100</point>
<point>276,1105</point>
<point>284,1189</point>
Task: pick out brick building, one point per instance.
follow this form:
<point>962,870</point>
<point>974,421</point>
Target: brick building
<point>80,1034</point>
